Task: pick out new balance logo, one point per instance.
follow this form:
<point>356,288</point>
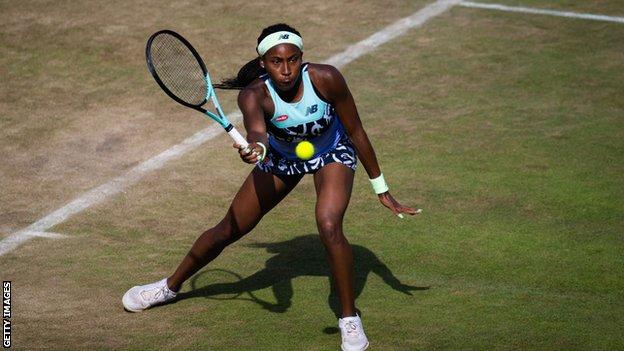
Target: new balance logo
<point>311,109</point>
<point>284,36</point>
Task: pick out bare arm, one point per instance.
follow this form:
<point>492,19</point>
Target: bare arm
<point>253,119</point>
<point>341,98</point>
<point>333,84</point>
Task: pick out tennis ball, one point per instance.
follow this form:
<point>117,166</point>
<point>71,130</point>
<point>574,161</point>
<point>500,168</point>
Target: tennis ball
<point>304,150</point>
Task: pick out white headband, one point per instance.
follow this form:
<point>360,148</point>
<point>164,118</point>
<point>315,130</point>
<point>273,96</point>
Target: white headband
<point>277,38</point>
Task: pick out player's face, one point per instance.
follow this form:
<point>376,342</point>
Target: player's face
<point>283,64</point>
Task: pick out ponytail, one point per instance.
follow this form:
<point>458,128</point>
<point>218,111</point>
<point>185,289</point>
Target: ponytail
<point>247,74</point>
<point>252,70</point>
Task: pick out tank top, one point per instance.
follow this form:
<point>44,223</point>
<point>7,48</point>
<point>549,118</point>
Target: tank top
<point>311,118</point>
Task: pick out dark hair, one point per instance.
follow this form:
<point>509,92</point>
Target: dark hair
<point>252,70</point>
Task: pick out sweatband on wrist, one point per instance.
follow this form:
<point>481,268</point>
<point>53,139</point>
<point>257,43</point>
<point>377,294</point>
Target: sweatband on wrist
<point>264,151</point>
<point>283,37</point>
<point>379,184</point>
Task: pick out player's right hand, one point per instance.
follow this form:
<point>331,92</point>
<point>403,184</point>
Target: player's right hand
<point>250,154</point>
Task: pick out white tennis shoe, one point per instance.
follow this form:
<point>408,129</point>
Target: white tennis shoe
<point>142,297</point>
<point>353,337</point>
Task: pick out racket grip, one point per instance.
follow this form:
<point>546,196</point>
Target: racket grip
<point>238,138</point>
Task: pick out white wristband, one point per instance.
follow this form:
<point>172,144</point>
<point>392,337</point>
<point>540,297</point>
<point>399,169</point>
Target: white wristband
<point>264,151</point>
<point>379,184</point>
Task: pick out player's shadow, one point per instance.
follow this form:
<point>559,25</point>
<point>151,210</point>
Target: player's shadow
<point>301,256</point>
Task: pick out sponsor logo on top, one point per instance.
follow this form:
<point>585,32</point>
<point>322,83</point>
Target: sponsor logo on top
<point>311,109</point>
<point>281,118</point>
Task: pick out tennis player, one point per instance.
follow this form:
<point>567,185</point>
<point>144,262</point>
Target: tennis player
<point>285,101</point>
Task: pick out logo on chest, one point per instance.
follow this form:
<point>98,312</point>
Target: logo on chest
<point>311,109</point>
<point>281,118</point>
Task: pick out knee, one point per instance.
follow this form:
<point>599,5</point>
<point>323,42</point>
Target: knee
<point>226,232</point>
<point>330,229</point>
<point>221,236</point>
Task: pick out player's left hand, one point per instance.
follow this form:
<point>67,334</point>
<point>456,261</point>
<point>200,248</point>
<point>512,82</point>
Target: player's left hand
<point>387,200</point>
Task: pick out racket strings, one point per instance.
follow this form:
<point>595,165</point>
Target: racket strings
<point>178,69</point>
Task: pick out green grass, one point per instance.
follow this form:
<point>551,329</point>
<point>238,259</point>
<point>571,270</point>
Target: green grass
<point>599,7</point>
<point>505,128</point>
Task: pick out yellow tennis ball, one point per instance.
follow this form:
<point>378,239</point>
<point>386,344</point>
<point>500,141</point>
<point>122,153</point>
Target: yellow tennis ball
<point>304,150</point>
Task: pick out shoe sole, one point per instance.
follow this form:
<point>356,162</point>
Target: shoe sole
<point>130,310</point>
<point>365,347</point>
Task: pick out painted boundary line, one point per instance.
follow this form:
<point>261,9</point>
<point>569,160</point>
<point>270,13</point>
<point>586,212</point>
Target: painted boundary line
<point>113,187</point>
<point>499,7</point>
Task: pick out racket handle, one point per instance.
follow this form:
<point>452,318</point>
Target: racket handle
<point>238,138</point>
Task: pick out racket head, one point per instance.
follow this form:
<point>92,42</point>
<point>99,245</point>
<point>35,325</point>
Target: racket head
<point>177,68</point>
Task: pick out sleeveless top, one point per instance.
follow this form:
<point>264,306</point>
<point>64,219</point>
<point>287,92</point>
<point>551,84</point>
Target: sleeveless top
<point>311,118</point>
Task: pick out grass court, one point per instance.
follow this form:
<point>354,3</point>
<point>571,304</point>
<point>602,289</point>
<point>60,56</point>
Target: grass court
<point>506,128</point>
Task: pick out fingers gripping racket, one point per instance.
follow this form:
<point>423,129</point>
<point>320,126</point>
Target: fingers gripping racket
<point>181,73</point>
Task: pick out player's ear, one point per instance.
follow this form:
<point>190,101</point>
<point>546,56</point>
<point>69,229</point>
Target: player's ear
<point>261,63</point>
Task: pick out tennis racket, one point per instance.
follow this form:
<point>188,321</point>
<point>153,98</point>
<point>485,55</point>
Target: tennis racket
<point>181,73</point>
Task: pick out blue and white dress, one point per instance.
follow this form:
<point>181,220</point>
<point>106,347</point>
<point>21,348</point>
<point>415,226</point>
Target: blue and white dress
<point>312,119</point>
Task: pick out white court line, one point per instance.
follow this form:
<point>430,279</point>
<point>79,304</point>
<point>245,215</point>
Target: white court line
<point>392,31</point>
<point>46,235</point>
<point>568,14</point>
<point>99,194</point>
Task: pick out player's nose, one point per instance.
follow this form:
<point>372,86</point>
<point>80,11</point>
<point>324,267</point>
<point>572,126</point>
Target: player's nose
<point>286,71</point>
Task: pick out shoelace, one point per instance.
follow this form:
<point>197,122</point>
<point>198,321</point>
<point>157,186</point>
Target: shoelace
<point>153,296</point>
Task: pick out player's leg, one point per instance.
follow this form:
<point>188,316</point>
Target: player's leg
<point>257,196</point>
<point>333,185</point>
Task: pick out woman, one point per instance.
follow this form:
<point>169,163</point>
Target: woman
<point>285,101</point>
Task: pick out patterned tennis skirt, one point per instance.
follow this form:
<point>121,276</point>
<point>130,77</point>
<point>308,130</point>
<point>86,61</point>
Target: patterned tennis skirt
<point>343,153</point>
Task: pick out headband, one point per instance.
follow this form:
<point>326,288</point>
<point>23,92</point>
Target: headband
<point>277,38</point>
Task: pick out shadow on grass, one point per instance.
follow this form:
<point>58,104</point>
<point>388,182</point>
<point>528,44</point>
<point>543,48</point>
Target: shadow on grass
<point>301,256</point>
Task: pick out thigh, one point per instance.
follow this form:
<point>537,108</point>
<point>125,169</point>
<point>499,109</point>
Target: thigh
<point>333,184</point>
<point>259,193</point>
